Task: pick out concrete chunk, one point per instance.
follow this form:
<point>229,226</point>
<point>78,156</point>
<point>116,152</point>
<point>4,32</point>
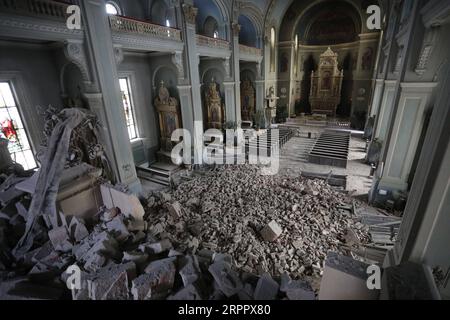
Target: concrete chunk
<point>227,279</point>
<point>271,231</point>
<point>175,210</point>
<point>157,281</point>
<point>188,293</point>
<point>189,270</point>
<point>266,288</point>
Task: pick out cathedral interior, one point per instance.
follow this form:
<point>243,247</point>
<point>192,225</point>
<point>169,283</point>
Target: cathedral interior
<point>224,150</point>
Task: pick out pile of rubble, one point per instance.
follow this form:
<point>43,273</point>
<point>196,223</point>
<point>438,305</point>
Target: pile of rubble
<point>231,233</point>
<point>269,224</point>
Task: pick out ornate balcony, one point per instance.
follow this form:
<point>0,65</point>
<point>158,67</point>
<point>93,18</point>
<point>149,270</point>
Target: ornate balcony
<point>129,25</point>
<point>213,47</point>
<point>36,8</point>
<point>144,36</point>
<point>247,53</point>
<point>36,19</point>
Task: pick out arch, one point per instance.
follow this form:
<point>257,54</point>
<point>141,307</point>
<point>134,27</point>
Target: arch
<point>254,14</point>
<point>211,27</point>
<point>247,34</point>
<point>161,14</point>
<point>215,9</point>
<point>160,69</point>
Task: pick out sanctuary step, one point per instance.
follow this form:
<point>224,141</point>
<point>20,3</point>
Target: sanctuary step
<point>158,172</point>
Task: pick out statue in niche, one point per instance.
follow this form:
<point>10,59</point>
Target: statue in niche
<point>366,63</point>
<point>326,84</point>
<point>169,118</point>
<point>247,100</point>
<point>213,103</point>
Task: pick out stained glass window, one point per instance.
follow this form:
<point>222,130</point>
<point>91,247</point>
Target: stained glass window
<point>12,128</point>
<point>128,107</point>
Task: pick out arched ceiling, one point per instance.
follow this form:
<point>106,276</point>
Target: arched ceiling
<point>323,24</point>
<point>282,14</point>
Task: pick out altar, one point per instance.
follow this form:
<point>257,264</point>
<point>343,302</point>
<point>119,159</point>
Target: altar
<point>326,84</point>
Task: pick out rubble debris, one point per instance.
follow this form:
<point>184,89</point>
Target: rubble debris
<point>203,240</point>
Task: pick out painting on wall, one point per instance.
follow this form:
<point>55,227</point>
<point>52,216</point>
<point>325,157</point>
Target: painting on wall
<point>284,62</point>
<point>366,63</point>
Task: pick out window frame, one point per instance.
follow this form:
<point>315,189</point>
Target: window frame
<point>129,81</point>
<point>13,79</point>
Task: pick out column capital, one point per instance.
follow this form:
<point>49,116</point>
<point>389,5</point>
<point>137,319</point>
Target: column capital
<point>190,13</point>
<point>236,29</point>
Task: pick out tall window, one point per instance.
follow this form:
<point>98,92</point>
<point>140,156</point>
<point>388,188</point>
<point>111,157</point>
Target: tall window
<point>128,107</point>
<point>272,50</point>
<point>13,130</point>
<point>112,8</point>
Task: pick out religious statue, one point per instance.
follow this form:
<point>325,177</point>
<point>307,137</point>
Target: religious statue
<point>169,119</point>
<point>213,104</point>
<point>247,100</point>
<point>326,84</point>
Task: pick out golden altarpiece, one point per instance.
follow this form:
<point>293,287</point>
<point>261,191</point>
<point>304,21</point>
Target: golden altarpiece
<point>247,100</point>
<point>326,84</point>
<point>169,118</point>
<point>213,104</point>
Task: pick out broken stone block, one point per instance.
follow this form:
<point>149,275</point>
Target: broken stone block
<point>134,256</point>
<point>77,230</point>
<point>41,273</point>
<point>266,288</point>
<point>106,196</point>
<point>175,210</point>
<point>109,214</point>
<point>188,293</point>
<point>58,235</point>
<point>157,281</point>
<point>227,279</point>
<point>118,229</point>
<point>111,282</point>
<point>344,272</point>
<point>296,289</point>
<point>207,254</point>
<point>189,270</point>
<point>156,247</point>
<point>246,293</point>
<point>136,225</point>
<point>128,204</point>
<point>271,231</point>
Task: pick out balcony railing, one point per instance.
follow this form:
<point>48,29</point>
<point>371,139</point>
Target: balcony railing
<point>40,8</point>
<point>129,25</point>
<point>249,50</point>
<point>215,43</point>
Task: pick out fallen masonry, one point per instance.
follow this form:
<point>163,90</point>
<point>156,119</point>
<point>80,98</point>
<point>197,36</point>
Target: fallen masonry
<point>217,235</point>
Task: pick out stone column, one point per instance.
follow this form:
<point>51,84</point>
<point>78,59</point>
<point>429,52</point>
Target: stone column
<point>190,13</point>
<point>414,99</point>
<point>260,102</point>
<point>376,97</point>
<point>108,105</point>
<point>386,107</point>
<point>230,109</point>
<point>236,70</point>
